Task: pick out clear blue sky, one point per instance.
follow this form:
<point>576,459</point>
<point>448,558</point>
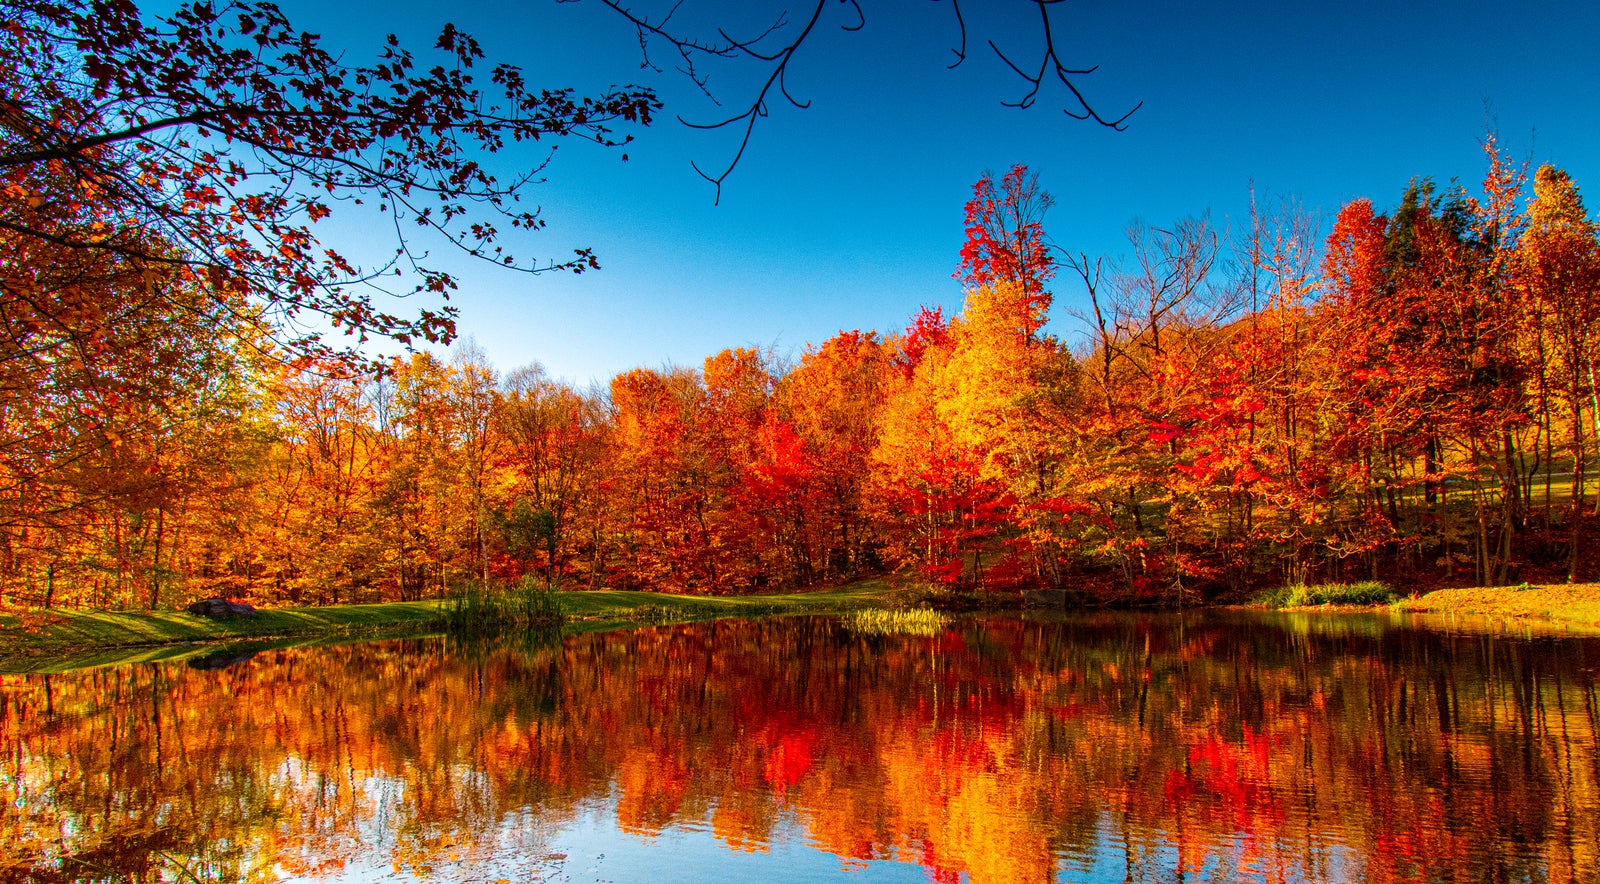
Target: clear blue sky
<point>849,214</point>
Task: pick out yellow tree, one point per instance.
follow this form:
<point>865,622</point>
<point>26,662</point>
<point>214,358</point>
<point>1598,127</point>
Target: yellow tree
<point>472,396</point>
<point>313,525</point>
<point>125,395</point>
<point>965,457</point>
<point>1558,270</point>
<point>416,504</point>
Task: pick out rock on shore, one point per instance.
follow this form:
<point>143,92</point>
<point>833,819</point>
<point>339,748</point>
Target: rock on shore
<point>218,608</point>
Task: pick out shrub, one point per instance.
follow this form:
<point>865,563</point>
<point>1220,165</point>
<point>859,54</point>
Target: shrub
<point>1367,592</point>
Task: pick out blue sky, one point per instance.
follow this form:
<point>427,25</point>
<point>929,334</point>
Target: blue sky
<point>849,214</point>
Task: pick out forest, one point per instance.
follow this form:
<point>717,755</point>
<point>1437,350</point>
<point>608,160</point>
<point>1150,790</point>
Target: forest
<point>1406,394</point>
<point>1410,397</point>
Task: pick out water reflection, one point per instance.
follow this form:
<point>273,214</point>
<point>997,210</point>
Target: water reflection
<point>1217,747</point>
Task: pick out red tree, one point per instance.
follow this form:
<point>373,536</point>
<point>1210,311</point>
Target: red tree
<point>1005,239</point>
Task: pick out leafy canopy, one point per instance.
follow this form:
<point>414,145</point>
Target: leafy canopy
<point>214,138</point>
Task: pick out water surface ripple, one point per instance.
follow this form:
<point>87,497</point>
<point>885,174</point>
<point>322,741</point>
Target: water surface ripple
<point>1216,746</point>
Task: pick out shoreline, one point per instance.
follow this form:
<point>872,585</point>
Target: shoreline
<point>53,641</point>
<point>58,641</point>
<point>1566,607</point>
<point>1570,604</point>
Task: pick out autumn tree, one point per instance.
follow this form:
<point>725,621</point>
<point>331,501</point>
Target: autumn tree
<point>961,442</point>
<point>113,414</point>
<point>1430,332</point>
<point>424,516</point>
<point>1155,337</point>
<point>313,517</point>
<point>1559,273</point>
<point>212,139</point>
<point>658,506</point>
<point>1005,241</point>
<point>162,181</point>
<point>1275,463</point>
<point>556,442</point>
<point>755,473</point>
<point>834,399</point>
<point>472,397</point>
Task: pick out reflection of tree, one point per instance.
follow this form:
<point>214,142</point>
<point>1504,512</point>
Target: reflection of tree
<point>997,751</point>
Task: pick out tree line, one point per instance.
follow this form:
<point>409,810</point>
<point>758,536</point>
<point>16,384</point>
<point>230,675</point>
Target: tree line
<point>1410,396</point>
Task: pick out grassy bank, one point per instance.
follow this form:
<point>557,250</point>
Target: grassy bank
<point>27,642</point>
<point>63,640</point>
<point>84,635</point>
<point>1571,605</point>
<point>1576,604</point>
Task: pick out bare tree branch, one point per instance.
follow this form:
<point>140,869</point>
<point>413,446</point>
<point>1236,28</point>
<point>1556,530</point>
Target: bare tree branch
<point>773,54</point>
<point>1050,64</point>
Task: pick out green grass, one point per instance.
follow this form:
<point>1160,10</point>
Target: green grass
<point>41,636</point>
<point>1367,592</point>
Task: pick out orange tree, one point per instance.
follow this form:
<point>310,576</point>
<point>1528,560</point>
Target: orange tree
<point>162,180</point>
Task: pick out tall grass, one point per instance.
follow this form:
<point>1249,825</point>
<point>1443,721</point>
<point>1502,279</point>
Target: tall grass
<point>915,621</point>
<point>1367,592</point>
<point>486,608</point>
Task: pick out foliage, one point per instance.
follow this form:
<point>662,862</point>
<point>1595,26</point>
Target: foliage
<point>168,400</point>
<point>1005,241</point>
<point>1409,397</point>
<point>209,141</point>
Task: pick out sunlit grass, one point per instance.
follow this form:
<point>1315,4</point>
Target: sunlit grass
<point>1577,603</point>
<point>915,621</point>
<point>28,638</point>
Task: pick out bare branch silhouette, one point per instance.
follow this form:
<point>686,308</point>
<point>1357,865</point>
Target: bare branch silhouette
<point>774,51</point>
<point>1050,64</point>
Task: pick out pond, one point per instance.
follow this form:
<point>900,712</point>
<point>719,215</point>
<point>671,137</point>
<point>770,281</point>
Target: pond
<point>1217,746</point>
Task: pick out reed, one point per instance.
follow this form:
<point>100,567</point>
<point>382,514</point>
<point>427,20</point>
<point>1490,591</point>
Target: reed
<point>486,608</point>
<point>912,621</point>
<point>1367,592</point>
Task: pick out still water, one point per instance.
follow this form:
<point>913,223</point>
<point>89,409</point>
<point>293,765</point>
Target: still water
<point>1210,747</point>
